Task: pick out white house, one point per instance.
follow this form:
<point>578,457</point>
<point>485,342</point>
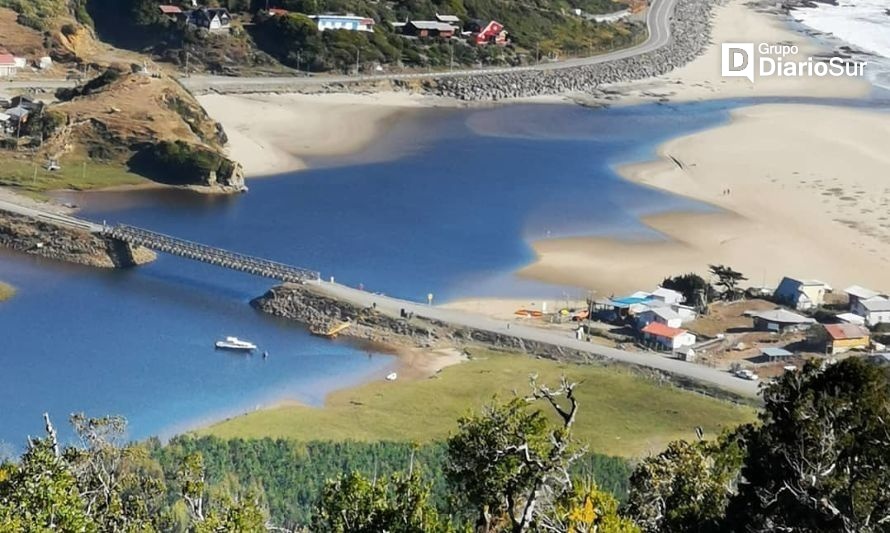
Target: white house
<point>343,22</point>
<point>8,68</point>
<point>801,294</point>
<point>669,338</point>
<point>858,294</point>
<point>874,310</point>
<point>667,296</point>
<point>663,315</point>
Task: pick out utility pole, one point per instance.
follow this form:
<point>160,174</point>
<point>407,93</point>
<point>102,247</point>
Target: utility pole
<point>451,67</point>
<point>299,59</point>
<point>356,61</point>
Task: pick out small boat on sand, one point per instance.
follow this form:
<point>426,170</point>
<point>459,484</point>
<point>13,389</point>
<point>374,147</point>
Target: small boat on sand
<point>392,377</point>
<point>234,343</point>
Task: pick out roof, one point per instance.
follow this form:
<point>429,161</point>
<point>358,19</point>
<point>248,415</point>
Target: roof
<point>17,112</point>
<point>850,318</point>
<point>4,117</point>
<point>861,292</point>
<point>876,304</point>
<point>775,352</point>
<point>664,293</point>
<point>846,331</point>
<point>447,18</point>
<point>7,60</point>
<point>278,11</point>
<point>660,330</point>
<point>169,10</point>
<point>342,17</point>
<point>782,316</point>
<point>664,312</point>
<point>431,25</point>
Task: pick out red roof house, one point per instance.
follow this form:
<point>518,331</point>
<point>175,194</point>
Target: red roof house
<point>278,12</point>
<point>167,9</point>
<point>666,336</point>
<point>493,33</point>
<point>7,65</point>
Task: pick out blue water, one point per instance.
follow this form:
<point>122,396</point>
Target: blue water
<point>446,202</point>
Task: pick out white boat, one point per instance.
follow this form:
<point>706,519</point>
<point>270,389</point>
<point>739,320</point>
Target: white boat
<point>392,377</point>
<point>234,343</point>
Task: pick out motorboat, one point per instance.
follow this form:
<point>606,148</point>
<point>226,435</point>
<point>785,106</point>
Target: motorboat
<point>234,343</point>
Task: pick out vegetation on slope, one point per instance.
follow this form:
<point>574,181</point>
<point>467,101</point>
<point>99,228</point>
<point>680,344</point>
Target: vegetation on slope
<point>817,460</point>
<point>633,415</point>
<point>536,27</point>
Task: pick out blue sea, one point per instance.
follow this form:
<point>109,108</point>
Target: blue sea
<point>446,202</point>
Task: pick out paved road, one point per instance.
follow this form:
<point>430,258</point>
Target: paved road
<point>657,19</point>
<point>49,217</point>
<point>392,306</point>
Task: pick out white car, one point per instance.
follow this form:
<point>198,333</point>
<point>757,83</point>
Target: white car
<point>747,374</point>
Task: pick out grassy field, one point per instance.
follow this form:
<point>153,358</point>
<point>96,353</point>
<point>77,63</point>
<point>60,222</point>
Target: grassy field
<point>6,291</point>
<point>621,413</point>
<point>77,173</point>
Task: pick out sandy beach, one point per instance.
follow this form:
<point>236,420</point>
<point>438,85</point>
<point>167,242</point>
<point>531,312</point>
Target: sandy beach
<point>271,133</point>
<point>794,206</point>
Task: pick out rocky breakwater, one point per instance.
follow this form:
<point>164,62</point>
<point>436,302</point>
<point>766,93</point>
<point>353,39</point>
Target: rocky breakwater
<point>37,237</point>
<point>690,36</point>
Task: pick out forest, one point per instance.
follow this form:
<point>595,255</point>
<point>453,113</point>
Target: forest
<point>818,459</point>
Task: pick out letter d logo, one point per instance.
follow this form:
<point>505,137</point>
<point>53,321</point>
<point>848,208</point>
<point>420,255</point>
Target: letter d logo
<point>737,60</point>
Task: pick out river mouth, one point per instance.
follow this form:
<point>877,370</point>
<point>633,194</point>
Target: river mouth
<point>452,214</point>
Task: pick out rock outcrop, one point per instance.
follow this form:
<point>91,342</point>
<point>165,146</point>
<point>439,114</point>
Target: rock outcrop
<point>72,245</point>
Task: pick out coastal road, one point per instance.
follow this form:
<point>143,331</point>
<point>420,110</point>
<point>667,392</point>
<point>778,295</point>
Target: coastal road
<point>658,22</point>
<point>392,306</point>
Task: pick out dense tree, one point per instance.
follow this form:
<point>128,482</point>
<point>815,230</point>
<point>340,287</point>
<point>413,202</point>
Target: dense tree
<point>510,463</point>
<point>820,458</point>
<point>696,290</point>
<point>686,487</point>
<point>400,503</point>
<point>728,280</point>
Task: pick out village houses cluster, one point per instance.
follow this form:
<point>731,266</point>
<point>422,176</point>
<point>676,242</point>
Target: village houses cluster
<point>662,320</point>
<point>11,65</point>
<point>443,27</point>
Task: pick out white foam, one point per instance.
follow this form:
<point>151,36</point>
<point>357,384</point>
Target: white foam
<point>863,24</point>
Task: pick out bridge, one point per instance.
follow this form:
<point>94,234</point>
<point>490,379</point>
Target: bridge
<point>208,254</point>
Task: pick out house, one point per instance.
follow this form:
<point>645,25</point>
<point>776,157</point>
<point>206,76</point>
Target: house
<point>25,102</point>
<point>211,18</point>
<point>343,22</point>
<point>779,320</point>
<point>842,338</point>
<point>874,310</point>
<point>8,67</point>
<point>775,354</point>
<point>278,12</point>
<point>663,315</point>
<point>492,33</point>
<point>428,28</point>
<point>18,116</point>
<point>667,296</point>
<point>454,20</point>
<point>850,318</point>
<point>858,294</point>
<point>801,294</point>
<point>669,338</point>
<point>612,17</point>
<point>170,11</point>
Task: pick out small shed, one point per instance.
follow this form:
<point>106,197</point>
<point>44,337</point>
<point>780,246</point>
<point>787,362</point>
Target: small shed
<point>780,320</point>
<point>774,354</point>
<point>429,28</point>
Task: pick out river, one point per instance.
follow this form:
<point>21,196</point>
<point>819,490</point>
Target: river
<point>446,202</point>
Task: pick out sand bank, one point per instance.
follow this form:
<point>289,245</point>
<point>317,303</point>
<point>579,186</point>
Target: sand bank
<point>808,196</point>
<point>271,133</point>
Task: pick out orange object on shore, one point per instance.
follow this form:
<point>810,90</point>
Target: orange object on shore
<point>529,313</point>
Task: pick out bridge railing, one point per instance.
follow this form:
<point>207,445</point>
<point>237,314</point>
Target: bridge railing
<point>209,254</point>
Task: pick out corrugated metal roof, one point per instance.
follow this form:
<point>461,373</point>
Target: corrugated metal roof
<point>846,331</point>
<point>431,25</point>
<point>876,304</point>
<point>861,292</point>
<point>782,316</point>
<point>775,352</point>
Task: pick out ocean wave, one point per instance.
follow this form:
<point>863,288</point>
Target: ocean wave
<point>865,24</point>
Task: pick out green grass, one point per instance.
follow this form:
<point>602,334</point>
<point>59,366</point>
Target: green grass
<point>621,413</point>
<point>6,291</point>
<point>77,173</point>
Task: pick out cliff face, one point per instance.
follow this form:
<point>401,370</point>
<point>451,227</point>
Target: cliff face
<point>40,238</point>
